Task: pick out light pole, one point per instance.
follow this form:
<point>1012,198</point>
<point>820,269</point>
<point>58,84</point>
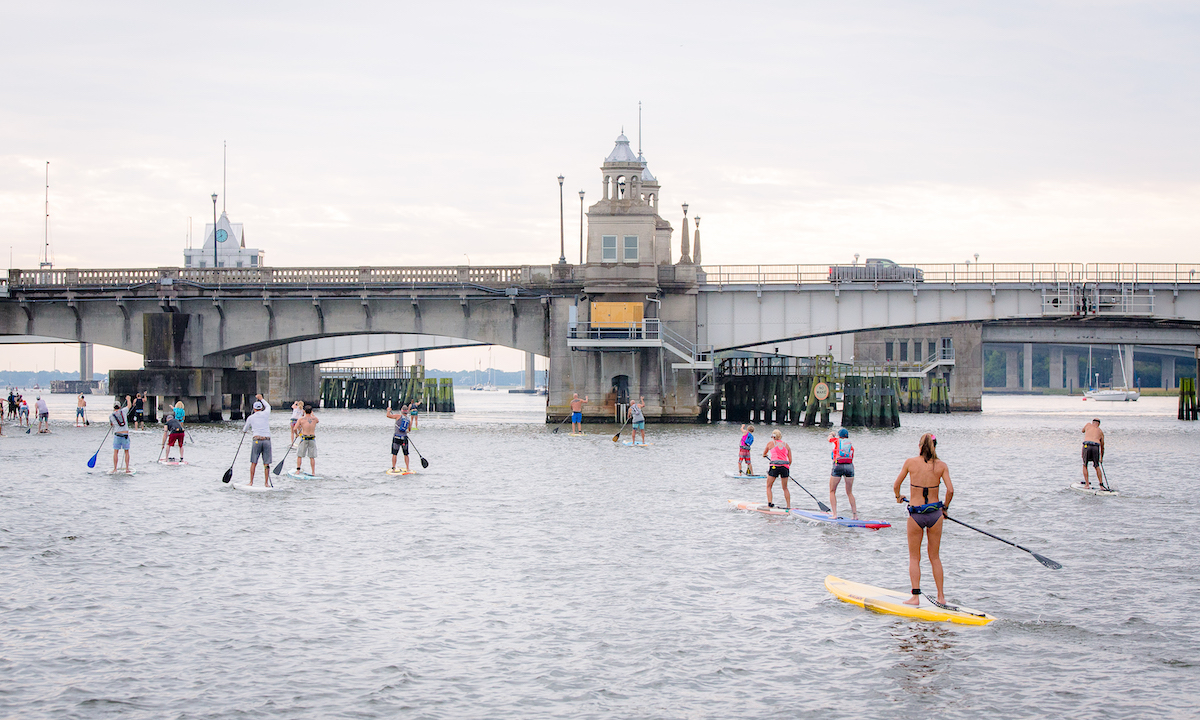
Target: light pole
<point>580,227</point>
<point>562,248</point>
<point>214,197</point>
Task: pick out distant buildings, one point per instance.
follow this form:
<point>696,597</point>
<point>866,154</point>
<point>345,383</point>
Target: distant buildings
<point>231,248</point>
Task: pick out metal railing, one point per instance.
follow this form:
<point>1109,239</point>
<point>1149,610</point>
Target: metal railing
<point>989,273</point>
<point>646,329</point>
<point>503,276</point>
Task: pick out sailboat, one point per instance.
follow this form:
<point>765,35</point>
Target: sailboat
<point>476,385</point>
<point>1116,394</point>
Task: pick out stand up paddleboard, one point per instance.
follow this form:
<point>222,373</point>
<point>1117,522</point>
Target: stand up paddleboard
<point>891,602</point>
<point>844,522</point>
<point>576,434</point>
<point>172,462</point>
<point>627,443</point>
<point>744,476</point>
<point>122,471</point>
<point>758,507</point>
<point>302,475</point>
<point>1095,489</point>
<point>401,472</point>
<point>253,488</point>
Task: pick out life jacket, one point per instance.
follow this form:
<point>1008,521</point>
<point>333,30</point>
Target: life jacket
<point>747,441</point>
<point>778,455</point>
<point>843,451</point>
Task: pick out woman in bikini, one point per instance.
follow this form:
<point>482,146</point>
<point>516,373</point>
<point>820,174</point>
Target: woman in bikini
<point>925,473</point>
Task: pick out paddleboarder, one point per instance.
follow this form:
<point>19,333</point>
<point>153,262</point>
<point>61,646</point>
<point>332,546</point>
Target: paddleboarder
<point>843,467</point>
<point>1093,452</point>
<point>43,415</point>
<point>306,430</point>
<point>172,435</point>
<point>119,422</point>
<point>779,455</point>
<point>744,450</point>
<point>259,424</point>
<point>639,420</point>
<point>23,421</point>
<point>925,472</point>
<point>297,413</point>
<point>139,406</point>
<point>81,411</point>
<point>577,413</point>
<point>400,434</point>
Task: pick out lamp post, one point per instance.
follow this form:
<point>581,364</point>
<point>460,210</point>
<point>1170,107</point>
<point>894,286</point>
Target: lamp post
<point>562,248</point>
<point>580,227</point>
<point>214,197</point>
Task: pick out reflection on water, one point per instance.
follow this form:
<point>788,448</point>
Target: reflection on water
<point>527,573</point>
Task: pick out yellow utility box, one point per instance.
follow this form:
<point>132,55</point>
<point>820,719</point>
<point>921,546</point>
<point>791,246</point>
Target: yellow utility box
<point>612,315</point>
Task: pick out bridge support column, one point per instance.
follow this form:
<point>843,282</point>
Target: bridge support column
<point>1012,379</point>
<point>85,362</point>
<point>529,371</point>
<point>304,383</point>
<point>1168,372</point>
<point>1027,355</point>
<point>1072,371</point>
<point>1056,367</point>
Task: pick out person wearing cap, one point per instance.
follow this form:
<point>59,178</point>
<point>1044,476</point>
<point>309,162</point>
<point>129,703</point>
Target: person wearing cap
<point>43,415</point>
<point>843,467</point>
<point>119,422</point>
<point>259,423</point>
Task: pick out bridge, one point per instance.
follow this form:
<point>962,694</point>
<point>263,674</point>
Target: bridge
<point>216,320</point>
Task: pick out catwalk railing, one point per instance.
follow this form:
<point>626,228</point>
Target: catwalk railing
<point>953,273</point>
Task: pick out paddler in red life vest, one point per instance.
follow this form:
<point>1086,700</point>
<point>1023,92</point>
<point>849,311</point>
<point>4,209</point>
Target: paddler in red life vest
<point>779,454</point>
<point>925,473</point>
<point>744,450</point>
<point>843,467</point>
<point>1093,452</point>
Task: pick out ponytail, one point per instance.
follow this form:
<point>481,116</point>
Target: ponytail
<point>928,446</point>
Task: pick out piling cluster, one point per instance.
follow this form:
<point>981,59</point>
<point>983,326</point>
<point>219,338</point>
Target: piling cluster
<point>375,388</point>
<point>1187,398</point>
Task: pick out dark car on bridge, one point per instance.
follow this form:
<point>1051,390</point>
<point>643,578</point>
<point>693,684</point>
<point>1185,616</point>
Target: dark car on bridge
<point>875,270</point>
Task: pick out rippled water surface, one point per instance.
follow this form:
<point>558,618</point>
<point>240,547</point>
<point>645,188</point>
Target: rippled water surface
<point>531,574</point>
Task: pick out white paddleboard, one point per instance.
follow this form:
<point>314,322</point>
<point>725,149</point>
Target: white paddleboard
<point>1095,489</point>
<point>122,471</point>
<point>758,507</point>
<point>628,443</point>
<point>253,488</point>
<point>172,462</point>
<point>302,475</point>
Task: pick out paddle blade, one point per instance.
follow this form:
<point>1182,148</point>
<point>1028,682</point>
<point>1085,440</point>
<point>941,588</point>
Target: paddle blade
<point>1047,562</point>
<point>92,462</point>
<point>228,476</point>
<point>556,429</point>
<point>823,506</point>
<point>617,437</point>
<point>424,463</point>
<point>279,466</point>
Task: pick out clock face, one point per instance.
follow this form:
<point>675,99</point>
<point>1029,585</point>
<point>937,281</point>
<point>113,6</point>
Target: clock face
<point>222,236</point>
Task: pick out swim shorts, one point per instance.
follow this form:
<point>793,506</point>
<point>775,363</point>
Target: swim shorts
<point>639,424</point>
<point>1091,453</point>
<point>43,416</point>
<point>744,453</point>
<point>845,470</point>
<point>576,417</point>
<point>398,444</point>
<point>120,442</point>
<point>779,471</point>
<point>307,448</point>
<point>78,412</point>
<point>261,449</point>
<point>137,415</point>
<point>175,438</point>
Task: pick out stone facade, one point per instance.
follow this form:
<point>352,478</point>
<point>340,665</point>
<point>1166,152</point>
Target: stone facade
<point>915,345</point>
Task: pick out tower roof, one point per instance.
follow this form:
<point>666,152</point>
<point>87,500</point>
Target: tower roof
<point>646,176</point>
<point>622,153</point>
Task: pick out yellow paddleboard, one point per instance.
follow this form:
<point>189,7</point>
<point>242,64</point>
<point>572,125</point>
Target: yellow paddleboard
<point>891,602</point>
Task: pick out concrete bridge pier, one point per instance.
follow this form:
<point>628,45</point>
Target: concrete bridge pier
<point>282,383</point>
<point>1012,378</point>
<point>86,359</point>
<point>1072,370</point>
<point>1056,368</point>
<point>529,371</point>
<point>1168,372</point>
<point>1027,353</point>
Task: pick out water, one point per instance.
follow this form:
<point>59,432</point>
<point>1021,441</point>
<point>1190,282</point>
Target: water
<point>530,574</point>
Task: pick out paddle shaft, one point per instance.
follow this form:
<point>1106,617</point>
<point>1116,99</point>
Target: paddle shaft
<point>823,506</point>
<point>279,465</point>
<point>995,537</point>
<point>424,462</point>
<point>229,472</point>
<point>618,435</point>
<point>564,422</point>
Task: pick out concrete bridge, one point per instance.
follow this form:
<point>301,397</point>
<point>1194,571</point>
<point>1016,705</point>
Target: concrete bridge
<point>212,332</point>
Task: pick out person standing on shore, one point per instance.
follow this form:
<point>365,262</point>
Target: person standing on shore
<point>81,412</point>
<point>843,467</point>
<point>779,455</point>
<point>926,473</point>
<point>119,422</point>
<point>1093,452</point>
<point>399,435</point>
<point>577,414</point>
<point>306,430</point>
<point>43,415</point>
<point>259,424</point>
<point>744,450</point>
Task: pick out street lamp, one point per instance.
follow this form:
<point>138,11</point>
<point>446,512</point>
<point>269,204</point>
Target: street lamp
<point>562,248</point>
<point>214,197</point>
<point>580,227</point>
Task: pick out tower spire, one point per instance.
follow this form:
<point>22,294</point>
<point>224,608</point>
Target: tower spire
<point>224,171</point>
<point>639,128</point>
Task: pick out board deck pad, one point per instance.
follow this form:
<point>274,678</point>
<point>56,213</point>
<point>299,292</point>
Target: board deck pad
<point>758,507</point>
<point>123,472</point>
<point>253,488</point>
<point>627,443</point>
<point>844,522</point>
<point>1095,489</point>
<point>173,462</point>
<point>891,602</point>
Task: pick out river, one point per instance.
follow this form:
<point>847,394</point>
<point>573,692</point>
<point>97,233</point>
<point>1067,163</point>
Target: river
<point>531,574</point>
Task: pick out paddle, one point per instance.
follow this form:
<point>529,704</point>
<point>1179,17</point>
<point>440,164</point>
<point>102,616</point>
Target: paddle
<point>1107,484</point>
<point>617,437</point>
<point>92,462</point>
<point>1040,558</point>
<point>279,466</point>
<point>823,506</point>
<point>564,422</point>
<point>424,462</point>
<point>229,473</point>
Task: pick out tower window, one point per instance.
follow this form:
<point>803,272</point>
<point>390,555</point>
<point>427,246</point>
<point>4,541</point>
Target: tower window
<point>608,244</point>
<point>631,248</point>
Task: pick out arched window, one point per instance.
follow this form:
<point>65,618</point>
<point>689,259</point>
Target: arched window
<point>607,181</point>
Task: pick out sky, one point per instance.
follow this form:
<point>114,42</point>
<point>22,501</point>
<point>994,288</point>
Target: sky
<point>433,133</point>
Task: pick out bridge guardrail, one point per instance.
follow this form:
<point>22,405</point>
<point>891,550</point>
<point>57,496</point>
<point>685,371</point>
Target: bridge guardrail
<point>499,276</point>
<point>951,273</point>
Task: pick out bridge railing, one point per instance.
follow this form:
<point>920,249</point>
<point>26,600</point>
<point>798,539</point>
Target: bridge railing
<point>990,273</point>
<point>502,276</point>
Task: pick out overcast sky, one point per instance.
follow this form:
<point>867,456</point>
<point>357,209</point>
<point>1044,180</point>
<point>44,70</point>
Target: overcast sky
<point>392,134</point>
